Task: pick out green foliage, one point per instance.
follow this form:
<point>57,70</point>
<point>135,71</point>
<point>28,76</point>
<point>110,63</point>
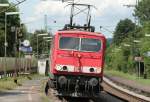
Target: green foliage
<point>145,46</point>
<point>22,34</point>
<point>12,21</point>
<point>109,41</point>
<point>125,33</point>
<point>43,46</point>
<point>3,1</point>
<point>122,31</point>
<point>142,11</point>
<point>127,76</point>
<point>119,58</point>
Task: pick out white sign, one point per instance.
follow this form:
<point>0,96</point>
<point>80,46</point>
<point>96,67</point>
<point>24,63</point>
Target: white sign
<point>25,49</point>
<point>26,43</point>
<point>139,59</point>
<point>41,67</point>
<point>28,56</point>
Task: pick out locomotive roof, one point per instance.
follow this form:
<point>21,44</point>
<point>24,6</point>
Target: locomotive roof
<point>81,32</point>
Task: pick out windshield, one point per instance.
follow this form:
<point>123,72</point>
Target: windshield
<point>80,44</point>
<point>90,45</point>
<point>69,43</point>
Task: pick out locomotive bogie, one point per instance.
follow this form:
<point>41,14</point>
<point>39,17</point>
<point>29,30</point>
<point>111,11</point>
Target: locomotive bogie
<point>76,86</point>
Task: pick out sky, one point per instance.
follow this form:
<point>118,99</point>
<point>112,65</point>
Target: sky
<point>107,14</point>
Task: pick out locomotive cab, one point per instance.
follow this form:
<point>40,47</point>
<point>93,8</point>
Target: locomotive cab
<point>77,60</point>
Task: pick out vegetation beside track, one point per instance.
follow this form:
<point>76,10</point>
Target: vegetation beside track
<point>43,95</point>
<point>9,84</point>
<point>128,76</point>
<point>129,49</point>
<point>45,98</point>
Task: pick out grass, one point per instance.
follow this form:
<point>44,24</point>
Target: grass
<point>8,83</point>
<point>43,96</point>
<point>128,76</point>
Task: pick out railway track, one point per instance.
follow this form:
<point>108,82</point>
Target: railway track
<point>111,93</point>
<point>122,93</point>
<point>67,99</point>
<point>104,97</point>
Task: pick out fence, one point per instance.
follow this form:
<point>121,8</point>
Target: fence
<point>9,66</point>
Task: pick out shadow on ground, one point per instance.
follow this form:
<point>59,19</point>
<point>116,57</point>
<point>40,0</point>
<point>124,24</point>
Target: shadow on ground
<point>8,93</point>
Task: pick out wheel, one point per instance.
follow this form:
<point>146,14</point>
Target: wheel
<point>50,84</point>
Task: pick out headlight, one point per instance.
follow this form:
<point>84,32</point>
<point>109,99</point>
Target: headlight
<point>58,67</point>
<point>65,68</point>
<point>68,68</point>
<point>91,70</point>
<point>99,70</point>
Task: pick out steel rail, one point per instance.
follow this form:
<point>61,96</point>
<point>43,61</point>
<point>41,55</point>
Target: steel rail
<point>122,93</point>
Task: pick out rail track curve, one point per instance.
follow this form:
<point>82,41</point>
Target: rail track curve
<point>123,93</point>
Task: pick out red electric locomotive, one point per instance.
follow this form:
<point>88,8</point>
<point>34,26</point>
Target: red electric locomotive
<point>77,61</point>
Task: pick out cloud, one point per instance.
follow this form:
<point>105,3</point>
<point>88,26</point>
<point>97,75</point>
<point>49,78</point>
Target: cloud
<point>49,7</point>
<point>31,19</point>
<point>57,8</point>
<point>108,12</point>
<point>52,8</point>
<point>105,5</point>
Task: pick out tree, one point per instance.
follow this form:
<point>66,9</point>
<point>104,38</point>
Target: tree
<point>12,21</point>
<point>4,1</point>
<point>42,44</point>
<point>122,31</point>
<point>142,11</point>
<point>119,55</point>
<point>123,59</point>
<point>145,46</point>
<point>22,32</point>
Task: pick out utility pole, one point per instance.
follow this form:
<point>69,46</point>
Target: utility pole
<point>6,43</point>
<point>133,6</point>
<point>136,20</point>
<point>44,34</point>
<point>45,22</point>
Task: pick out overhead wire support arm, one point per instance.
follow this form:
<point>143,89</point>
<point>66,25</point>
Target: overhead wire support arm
<point>106,29</point>
<point>80,9</point>
<point>72,15</point>
<point>85,10</point>
<point>76,9</point>
<point>80,12</point>
<point>89,16</point>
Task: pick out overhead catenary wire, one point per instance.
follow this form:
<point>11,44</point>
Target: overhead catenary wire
<point>106,29</point>
<point>19,2</point>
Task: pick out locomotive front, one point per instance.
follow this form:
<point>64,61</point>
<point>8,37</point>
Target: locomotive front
<point>77,61</point>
